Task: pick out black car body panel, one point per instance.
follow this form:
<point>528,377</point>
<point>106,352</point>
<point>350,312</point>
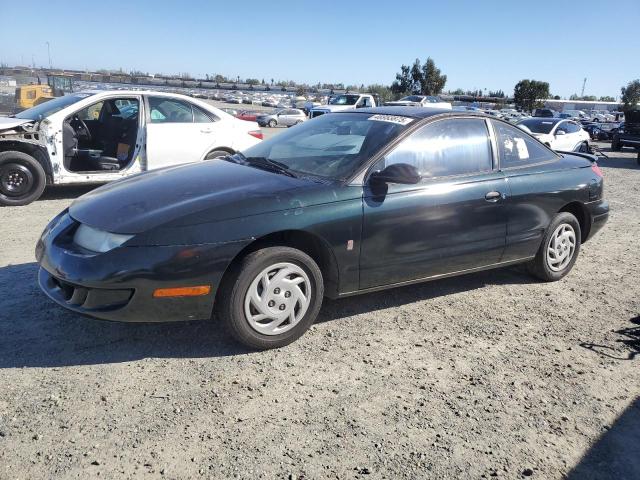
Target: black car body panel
<point>191,222</point>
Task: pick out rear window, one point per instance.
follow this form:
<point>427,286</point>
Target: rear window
<point>518,149</point>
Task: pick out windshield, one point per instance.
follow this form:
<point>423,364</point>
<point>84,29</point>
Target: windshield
<point>330,146</point>
<point>412,98</point>
<point>538,126</point>
<point>52,106</point>
<point>344,100</point>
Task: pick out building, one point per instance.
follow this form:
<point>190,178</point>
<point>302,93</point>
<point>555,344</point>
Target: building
<point>584,105</point>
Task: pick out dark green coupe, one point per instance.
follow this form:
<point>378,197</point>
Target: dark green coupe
<point>344,204</point>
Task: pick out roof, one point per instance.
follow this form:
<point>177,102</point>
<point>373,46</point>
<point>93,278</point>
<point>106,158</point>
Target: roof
<point>415,112</point>
<point>133,92</point>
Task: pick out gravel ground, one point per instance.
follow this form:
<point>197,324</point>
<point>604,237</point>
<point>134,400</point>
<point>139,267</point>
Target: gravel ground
<point>486,375</point>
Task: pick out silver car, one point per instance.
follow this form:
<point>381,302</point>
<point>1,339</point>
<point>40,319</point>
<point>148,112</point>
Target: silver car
<point>286,117</point>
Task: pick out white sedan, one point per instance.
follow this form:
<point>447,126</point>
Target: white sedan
<point>99,136</point>
<point>558,134</point>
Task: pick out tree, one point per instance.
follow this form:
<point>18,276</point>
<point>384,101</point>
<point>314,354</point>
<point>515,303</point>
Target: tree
<point>607,98</point>
<point>252,81</point>
<point>432,80</point>
<point>419,79</point>
<point>631,94</point>
<point>528,93</point>
<point>300,91</point>
<point>383,92</point>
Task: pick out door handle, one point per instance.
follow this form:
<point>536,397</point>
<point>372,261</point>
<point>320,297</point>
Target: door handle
<point>493,196</point>
<point>205,130</point>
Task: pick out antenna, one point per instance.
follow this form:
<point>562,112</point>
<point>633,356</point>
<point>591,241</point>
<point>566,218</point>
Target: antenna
<point>584,82</point>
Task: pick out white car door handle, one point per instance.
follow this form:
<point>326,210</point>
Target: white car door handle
<point>205,130</point>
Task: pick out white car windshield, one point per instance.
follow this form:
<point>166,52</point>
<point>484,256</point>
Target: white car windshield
<point>50,107</point>
<point>536,125</point>
<point>344,100</point>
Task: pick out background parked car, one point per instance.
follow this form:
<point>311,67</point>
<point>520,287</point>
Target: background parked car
<point>544,112</point>
<point>109,135</point>
<point>286,117</point>
<point>558,134</point>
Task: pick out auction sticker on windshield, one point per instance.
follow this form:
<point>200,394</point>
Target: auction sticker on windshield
<point>391,118</point>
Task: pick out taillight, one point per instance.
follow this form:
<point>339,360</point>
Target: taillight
<point>596,169</point>
<point>256,133</point>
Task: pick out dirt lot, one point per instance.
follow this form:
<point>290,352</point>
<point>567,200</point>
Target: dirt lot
<point>487,375</point>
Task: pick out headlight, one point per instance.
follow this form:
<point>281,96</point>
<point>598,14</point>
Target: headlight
<point>98,240</point>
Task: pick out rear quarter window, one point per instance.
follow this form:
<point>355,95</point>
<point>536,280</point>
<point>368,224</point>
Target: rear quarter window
<point>517,149</point>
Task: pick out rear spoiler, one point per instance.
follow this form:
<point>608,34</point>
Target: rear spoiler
<point>586,156</point>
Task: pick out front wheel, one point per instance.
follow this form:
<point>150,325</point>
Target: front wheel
<point>559,249</point>
<point>271,297</point>
<point>272,123</point>
<point>22,179</point>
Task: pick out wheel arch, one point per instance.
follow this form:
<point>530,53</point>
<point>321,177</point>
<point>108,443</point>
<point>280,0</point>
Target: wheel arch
<point>38,152</point>
<point>313,245</point>
<point>579,211</point>
<point>229,150</point>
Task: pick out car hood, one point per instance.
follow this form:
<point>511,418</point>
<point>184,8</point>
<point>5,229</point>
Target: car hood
<point>8,123</point>
<point>208,191</point>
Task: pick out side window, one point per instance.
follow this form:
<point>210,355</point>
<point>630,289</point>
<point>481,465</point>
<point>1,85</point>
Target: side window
<point>562,127</point>
<point>447,147</point>
<point>165,110</point>
<point>572,127</point>
<point>92,112</point>
<point>200,116</point>
<point>517,149</point>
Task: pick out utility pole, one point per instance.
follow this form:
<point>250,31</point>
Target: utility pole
<point>584,82</point>
<point>49,54</point>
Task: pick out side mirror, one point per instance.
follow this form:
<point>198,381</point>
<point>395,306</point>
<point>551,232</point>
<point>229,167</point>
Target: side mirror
<point>560,132</point>
<point>402,173</point>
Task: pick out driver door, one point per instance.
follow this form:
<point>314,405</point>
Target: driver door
<point>453,220</point>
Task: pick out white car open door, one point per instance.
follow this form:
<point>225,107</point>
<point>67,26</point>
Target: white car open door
<point>177,132</point>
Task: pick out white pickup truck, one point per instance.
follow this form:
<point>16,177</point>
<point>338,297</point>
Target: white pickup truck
<point>346,101</point>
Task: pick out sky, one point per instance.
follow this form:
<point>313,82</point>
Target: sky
<point>478,45</point>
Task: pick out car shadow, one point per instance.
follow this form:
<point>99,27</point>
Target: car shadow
<point>613,159</point>
<point>614,456</point>
<point>630,340</point>
<point>66,192</point>
<point>35,332</point>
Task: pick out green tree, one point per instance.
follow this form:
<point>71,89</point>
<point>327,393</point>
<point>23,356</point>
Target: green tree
<point>631,94</point>
<point>252,81</point>
<point>607,98</point>
<point>423,79</point>
<point>528,94</point>
<point>383,92</point>
<point>433,81</point>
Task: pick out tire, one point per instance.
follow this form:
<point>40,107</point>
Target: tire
<point>615,146</point>
<point>216,154</point>
<point>22,179</point>
<point>235,304</point>
<point>551,267</point>
<point>584,148</point>
<point>272,123</point>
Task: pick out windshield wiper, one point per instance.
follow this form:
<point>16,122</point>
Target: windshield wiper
<point>268,164</point>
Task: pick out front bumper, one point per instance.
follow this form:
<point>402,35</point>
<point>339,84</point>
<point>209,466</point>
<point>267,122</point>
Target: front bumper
<point>118,285</point>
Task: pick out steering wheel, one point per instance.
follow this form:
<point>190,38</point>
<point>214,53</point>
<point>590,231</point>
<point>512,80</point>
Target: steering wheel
<point>83,126</point>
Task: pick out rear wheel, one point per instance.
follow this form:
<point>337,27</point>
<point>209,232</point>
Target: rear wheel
<point>615,145</point>
<point>559,249</point>
<point>272,123</point>
<point>22,179</point>
<point>583,147</point>
<point>271,297</point>
<point>216,154</point>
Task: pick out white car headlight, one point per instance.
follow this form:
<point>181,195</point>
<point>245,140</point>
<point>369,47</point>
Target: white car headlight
<point>98,240</point>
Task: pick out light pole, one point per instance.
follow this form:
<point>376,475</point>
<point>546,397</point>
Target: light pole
<point>49,54</point>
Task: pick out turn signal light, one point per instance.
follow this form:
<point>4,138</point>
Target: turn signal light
<point>256,133</point>
<point>182,291</point>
